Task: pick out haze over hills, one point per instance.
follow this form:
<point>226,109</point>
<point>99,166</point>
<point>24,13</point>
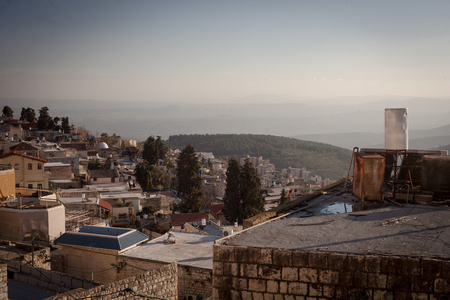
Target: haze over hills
<point>321,159</point>
<point>343,121</point>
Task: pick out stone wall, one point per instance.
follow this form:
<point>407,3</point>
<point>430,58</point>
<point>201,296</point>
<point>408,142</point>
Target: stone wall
<point>156,283</point>
<point>194,281</point>
<point>50,280</point>
<point>3,281</point>
<point>262,217</point>
<point>265,273</point>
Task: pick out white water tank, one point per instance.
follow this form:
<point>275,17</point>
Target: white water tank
<point>396,128</point>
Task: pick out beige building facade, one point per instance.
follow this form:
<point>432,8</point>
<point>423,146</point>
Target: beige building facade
<point>7,183</point>
<point>29,170</point>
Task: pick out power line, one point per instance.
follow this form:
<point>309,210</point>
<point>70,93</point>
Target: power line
<point>40,272</point>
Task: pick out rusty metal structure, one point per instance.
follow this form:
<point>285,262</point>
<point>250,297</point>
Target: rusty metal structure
<point>368,176</point>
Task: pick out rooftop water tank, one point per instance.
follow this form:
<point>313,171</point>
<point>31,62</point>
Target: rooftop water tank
<point>396,128</point>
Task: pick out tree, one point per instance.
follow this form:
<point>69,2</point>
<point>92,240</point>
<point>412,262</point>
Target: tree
<point>7,112</point>
<point>283,197</point>
<point>109,140</point>
<point>65,127</point>
<point>243,195</point>
<point>154,149</point>
<point>189,180</point>
<point>28,114</point>
<point>232,199</point>
<point>152,176</point>
<point>250,191</point>
<point>45,122</point>
<point>56,126</point>
<point>95,164</point>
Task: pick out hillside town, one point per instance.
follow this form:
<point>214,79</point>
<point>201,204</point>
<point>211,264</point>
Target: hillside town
<point>58,182</point>
<point>77,222</point>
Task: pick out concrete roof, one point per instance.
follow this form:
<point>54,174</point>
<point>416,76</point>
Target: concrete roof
<point>190,249</point>
<point>416,230</point>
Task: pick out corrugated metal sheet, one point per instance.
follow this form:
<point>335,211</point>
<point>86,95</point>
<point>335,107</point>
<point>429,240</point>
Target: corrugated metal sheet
<point>368,176</point>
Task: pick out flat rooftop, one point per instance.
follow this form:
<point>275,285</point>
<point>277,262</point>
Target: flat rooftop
<point>190,249</point>
<point>415,230</point>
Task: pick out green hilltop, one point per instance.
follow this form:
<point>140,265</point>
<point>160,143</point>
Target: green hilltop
<point>321,159</point>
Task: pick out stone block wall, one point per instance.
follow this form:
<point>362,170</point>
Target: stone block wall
<point>3,281</point>
<point>156,283</point>
<point>262,217</point>
<point>50,280</point>
<point>241,272</point>
<point>194,281</point>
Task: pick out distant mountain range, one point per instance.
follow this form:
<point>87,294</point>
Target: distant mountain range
<point>345,121</point>
<point>436,138</point>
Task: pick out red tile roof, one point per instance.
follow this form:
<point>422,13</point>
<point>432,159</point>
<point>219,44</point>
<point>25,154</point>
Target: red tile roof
<point>23,147</point>
<point>23,155</point>
<point>104,204</point>
<point>216,209</point>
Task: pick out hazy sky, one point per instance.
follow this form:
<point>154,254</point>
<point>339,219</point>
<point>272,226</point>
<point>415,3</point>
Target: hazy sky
<point>223,50</point>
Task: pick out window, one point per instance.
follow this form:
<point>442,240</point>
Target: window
<point>39,166</point>
<point>16,167</point>
<point>39,186</point>
<point>30,166</point>
<point>17,185</point>
<point>30,185</point>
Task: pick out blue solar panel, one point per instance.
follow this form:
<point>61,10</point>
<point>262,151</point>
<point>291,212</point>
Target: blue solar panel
<point>105,238</point>
<point>104,230</point>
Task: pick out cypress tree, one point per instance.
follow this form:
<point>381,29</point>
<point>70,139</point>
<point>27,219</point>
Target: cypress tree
<point>189,180</point>
<point>283,197</point>
<point>251,193</point>
<point>233,205</point>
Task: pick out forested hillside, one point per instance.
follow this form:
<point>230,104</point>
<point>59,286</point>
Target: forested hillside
<point>322,159</point>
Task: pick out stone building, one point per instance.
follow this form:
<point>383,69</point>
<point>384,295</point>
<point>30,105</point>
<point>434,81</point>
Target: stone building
<point>46,223</point>
<point>29,170</point>
<point>7,183</point>
<point>332,249</point>
<point>117,254</point>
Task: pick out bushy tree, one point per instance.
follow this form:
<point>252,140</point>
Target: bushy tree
<point>189,180</point>
<point>45,122</point>
<point>152,177</point>
<point>154,149</point>
<point>7,112</point>
<point>28,114</point>
<point>56,126</point>
<point>232,199</point>
<point>95,164</point>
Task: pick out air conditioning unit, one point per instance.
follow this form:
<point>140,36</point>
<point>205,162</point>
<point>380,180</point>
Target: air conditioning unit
<point>227,232</point>
<point>192,297</point>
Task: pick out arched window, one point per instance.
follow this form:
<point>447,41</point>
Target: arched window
<point>16,167</point>
<point>30,166</point>
<point>39,166</point>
